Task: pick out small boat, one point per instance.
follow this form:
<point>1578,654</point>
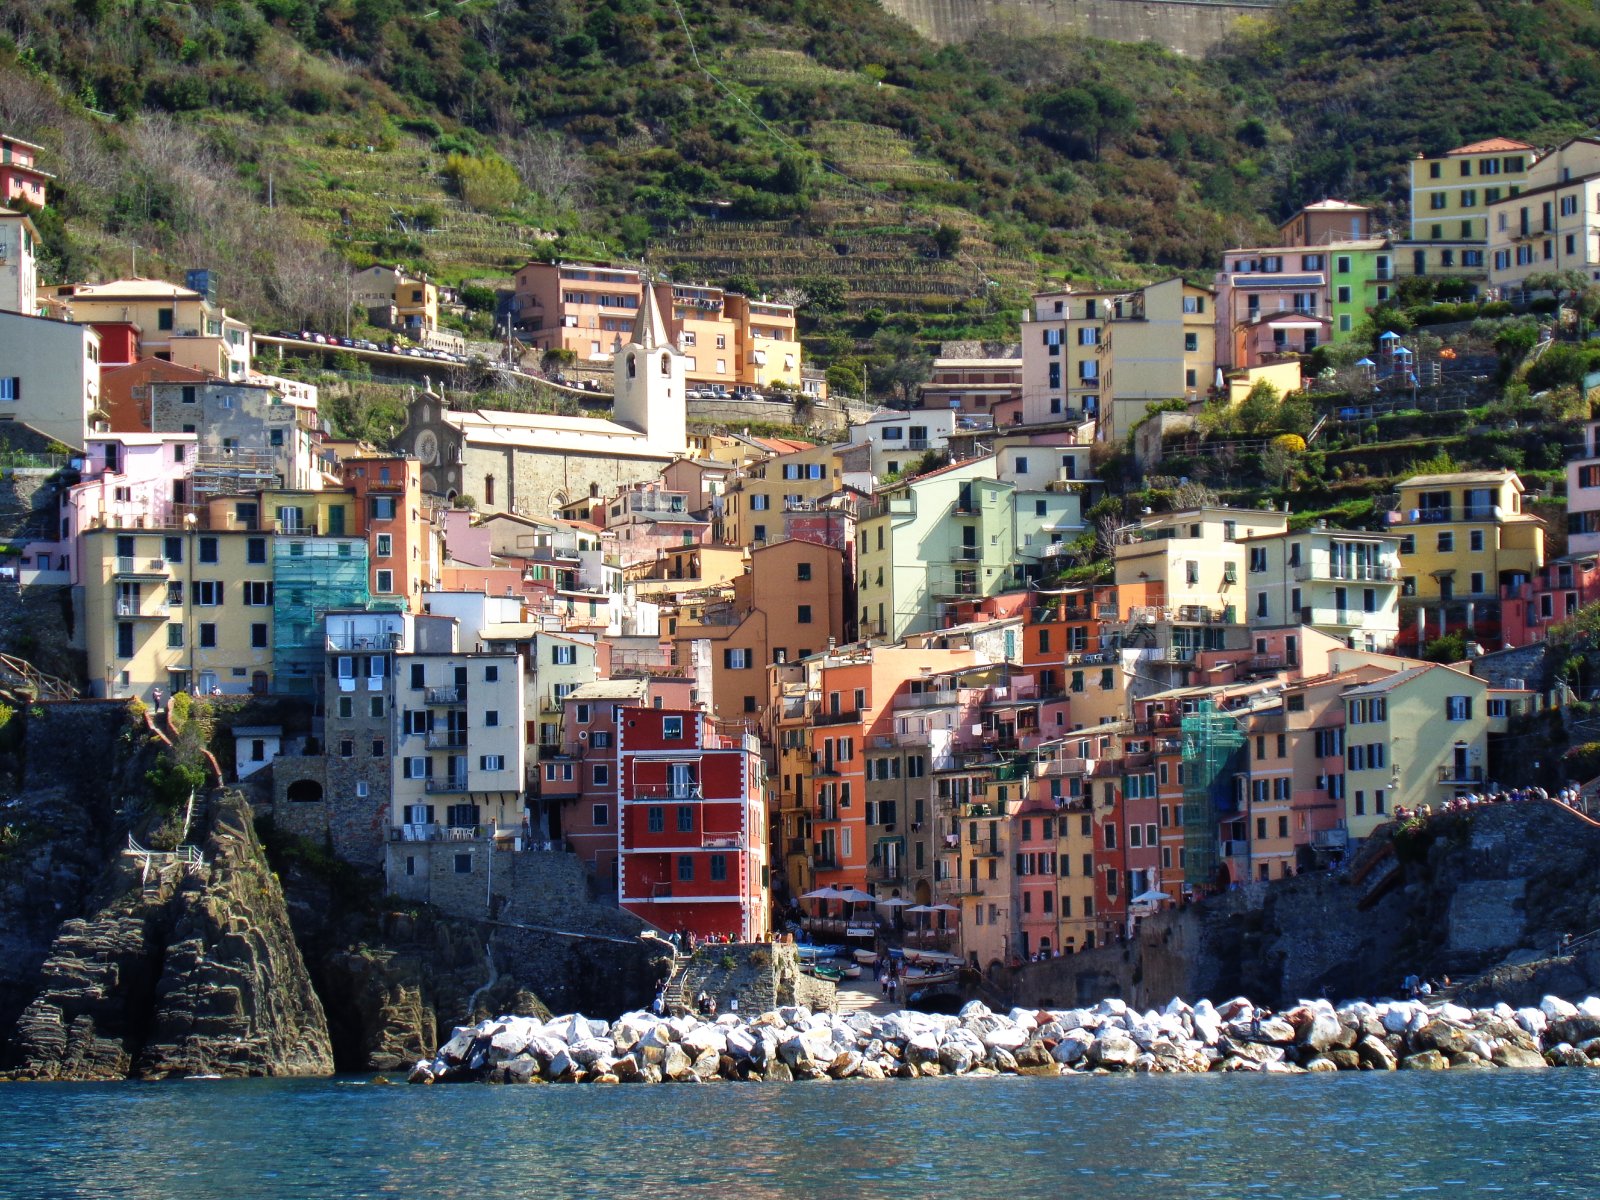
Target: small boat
<point>831,974</point>
<point>927,979</point>
<point>867,958</point>
<point>851,971</point>
<point>191,1077</point>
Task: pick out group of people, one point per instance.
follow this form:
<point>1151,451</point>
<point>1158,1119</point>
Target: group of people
<point>1416,987</point>
<point>888,972</point>
<point>1570,794</point>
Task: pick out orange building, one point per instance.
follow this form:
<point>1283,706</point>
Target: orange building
<point>789,603</point>
<point>125,390</point>
<point>388,491</point>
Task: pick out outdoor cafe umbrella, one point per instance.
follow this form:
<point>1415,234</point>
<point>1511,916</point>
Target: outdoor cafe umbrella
<point>856,896</point>
<point>921,908</point>
<point>1153,896</point>
<point>895,902</point>
<point>824,893</point>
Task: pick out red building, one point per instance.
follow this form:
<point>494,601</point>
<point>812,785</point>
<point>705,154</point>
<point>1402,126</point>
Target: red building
<point>692,824</point>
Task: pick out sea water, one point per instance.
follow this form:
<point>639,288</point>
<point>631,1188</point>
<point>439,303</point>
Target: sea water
<point>1357,1136</point>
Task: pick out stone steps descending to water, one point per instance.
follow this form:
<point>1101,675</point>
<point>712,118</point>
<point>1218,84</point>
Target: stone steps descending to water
<point>794,1043</point>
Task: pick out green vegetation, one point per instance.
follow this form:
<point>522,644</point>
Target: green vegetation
<point>812,148</point>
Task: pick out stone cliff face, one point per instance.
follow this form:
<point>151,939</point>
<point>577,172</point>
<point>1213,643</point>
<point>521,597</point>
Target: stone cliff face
<point>1491,890</point>
<point>178,969</point>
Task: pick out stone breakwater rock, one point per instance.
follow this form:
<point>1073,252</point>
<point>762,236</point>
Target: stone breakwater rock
<point>797,1044</point>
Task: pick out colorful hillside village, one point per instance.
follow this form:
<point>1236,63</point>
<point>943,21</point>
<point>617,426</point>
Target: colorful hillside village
<point>729,672</point>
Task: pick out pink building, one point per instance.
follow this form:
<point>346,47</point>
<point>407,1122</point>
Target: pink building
<point>692,824</point>
<point>648,520</point>
<point>1034,881</point>
<point>129,481</point>
<point>20,179</point>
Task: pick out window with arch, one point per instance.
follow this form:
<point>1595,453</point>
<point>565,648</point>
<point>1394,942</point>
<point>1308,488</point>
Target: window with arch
<point>633,368</point>
<point>666,364</point>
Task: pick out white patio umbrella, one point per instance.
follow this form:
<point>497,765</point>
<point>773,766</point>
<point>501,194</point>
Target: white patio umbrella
<point>894,902</point>
<point>1153,896</point>
<point>944,908</point>
<point>856,896</point>
<point>824,893</point>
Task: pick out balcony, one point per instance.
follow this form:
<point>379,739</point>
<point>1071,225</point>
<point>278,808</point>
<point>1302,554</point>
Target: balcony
<point>557,749</point>
<point>890,874</point>
<point>1235,849</point>
<point>141,567</point>
<point>1330,839</point>
<point>927,698</point>
<point>130,609</point>
<point>1432,516</point>
<point>964,554</point>
<point>450,783</point>
<point>1346,573</point>
<point>665,791</point>
<point>1482,512</point>
<point>445,695</point>
<point>853,717</point>
<point>447,739</point>
<point>445,833</point>
<point>1455,773</point>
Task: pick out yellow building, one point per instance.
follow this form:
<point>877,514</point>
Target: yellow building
<point>310,514</point>
<point>1418,736</point>
<point>1450,198</point>
<point>167,607</point>
<point>414,298</point>
<point>1191,559</point>
<point>754,505</point>
<point>1463,537</point>
<point>1551,224</point>
<point>174,323</point>
<point>769,346</point>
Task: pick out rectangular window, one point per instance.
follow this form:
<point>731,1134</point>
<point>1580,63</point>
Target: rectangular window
<point>671,728</point>
<point>685,868</point>
<point>1458,708</point>
<point>385,582</point>
<point>208,550</point>
<point>655,819</point>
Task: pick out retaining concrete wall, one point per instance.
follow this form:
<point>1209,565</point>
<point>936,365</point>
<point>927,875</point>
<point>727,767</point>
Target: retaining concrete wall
<point>1186,26</point>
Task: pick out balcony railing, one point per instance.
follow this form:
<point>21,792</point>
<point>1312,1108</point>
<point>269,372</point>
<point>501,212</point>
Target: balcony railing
<point>447,739</point>
<point>1452,773</point>
<point>1236,849</point>
<point>445,833</point>
<point>450,783</point>
<point>927,698</point>
<point>1330,839</point>
<point>887,873</point>
<point>130,608</point>
<point>446,695</point>
<point>836,718</point>
<point>140,566</point>
<point>1346,572</point>
<point>664,791</point>
<point>559,749</point>
<point>963,554</point>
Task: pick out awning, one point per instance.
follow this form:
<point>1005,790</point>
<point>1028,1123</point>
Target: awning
<point>1298,323</point>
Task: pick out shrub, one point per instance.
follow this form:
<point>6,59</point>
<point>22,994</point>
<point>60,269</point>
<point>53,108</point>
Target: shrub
<point>487,184</point>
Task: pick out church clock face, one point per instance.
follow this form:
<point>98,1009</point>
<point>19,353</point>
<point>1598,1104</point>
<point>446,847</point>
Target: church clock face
<point>428,447</point>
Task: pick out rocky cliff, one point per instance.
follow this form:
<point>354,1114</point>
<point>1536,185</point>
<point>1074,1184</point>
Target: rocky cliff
<point>115,964</point>
<point>181,968</point>
<point>1489,892</point>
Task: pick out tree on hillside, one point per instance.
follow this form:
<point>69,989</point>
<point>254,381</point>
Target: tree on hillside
<point>900,364</point>
<point>553,167</point>
<point>1082,120</point>
<point>1565,286</point>
<point>1258,411</point>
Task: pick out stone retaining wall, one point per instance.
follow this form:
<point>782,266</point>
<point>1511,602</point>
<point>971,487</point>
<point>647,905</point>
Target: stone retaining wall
<point>763,976</point>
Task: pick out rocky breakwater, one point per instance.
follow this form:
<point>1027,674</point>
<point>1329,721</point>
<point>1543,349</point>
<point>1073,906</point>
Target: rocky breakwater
<point>795,1043</point>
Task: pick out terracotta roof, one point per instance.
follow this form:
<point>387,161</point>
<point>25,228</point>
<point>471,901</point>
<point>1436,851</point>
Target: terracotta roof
<point>1489,146</point>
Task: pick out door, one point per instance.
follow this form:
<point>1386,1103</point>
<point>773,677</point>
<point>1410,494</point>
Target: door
<point>336,520</point>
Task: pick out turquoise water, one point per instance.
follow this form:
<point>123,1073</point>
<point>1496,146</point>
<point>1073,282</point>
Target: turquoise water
<point>1360,1137</point>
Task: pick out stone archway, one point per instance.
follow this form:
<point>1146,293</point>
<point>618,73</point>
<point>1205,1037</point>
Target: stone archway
<point>304,791</point>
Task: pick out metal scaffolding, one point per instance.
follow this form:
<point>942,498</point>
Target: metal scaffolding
<point>1212,747</point>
